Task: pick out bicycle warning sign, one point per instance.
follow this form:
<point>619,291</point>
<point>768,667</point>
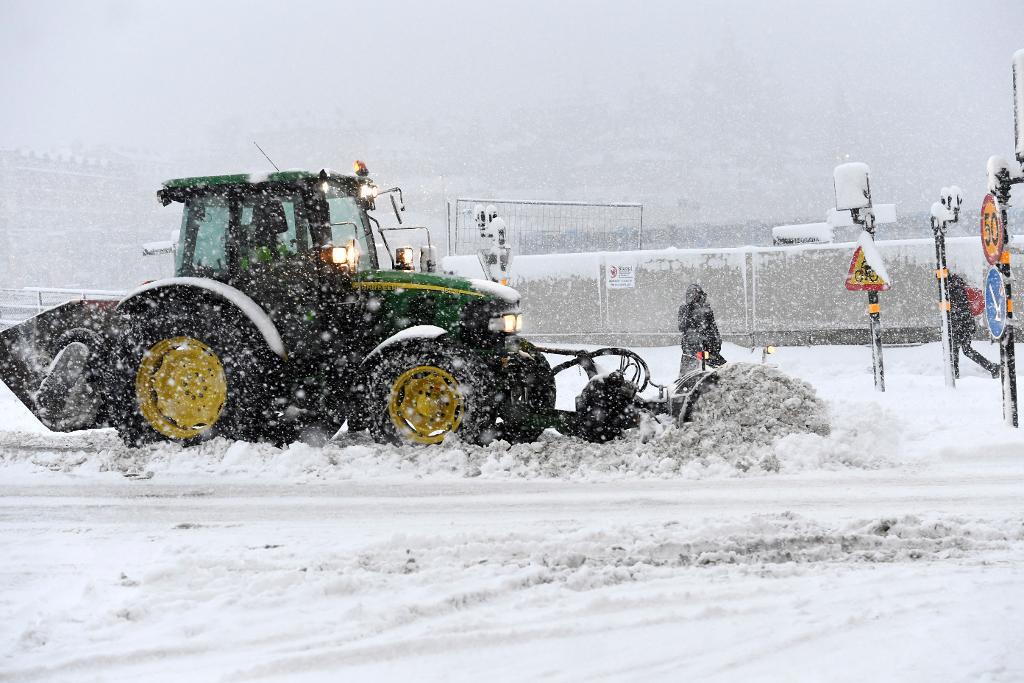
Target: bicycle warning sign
<point>862,277</point>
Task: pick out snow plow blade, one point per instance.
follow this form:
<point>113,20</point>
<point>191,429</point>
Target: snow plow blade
<point>687,392</point>
<point>33,357</point>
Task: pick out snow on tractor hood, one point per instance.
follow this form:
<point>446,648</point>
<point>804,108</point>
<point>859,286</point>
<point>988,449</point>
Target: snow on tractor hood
<point>503,292</point>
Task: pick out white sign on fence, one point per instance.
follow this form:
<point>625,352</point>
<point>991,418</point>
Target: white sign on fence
<point>621,275</point>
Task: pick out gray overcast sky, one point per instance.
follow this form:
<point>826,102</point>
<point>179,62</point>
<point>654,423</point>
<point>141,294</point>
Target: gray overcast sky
<point>919,89</point>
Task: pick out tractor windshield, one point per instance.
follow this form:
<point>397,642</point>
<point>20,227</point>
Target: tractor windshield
<point>348,223</point>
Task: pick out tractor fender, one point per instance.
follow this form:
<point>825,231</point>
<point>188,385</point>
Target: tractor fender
<point>249,308</point>
<point>415,332</point>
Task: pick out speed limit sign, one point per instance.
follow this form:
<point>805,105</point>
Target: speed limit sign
<point>991,230</point>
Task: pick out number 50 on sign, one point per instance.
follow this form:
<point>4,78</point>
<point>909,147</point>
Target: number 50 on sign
<point>991,230</point>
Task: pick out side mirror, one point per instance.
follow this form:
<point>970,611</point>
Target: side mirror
<point>395,207</point>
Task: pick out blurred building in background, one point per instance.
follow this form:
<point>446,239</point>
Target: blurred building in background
<point>70,220</point>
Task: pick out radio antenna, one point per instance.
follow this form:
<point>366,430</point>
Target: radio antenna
<point>266,155</point>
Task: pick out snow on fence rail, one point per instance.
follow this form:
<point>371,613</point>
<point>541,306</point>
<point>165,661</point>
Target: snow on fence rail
<point>17,305</point>
<point>761,295</point>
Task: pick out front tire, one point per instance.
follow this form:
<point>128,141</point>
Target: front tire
<point>420,393</point>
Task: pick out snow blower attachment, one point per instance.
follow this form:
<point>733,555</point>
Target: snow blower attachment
<point>610,403</point>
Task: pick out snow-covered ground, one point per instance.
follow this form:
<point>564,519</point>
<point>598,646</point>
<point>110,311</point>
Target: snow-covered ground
<point>891,549</point>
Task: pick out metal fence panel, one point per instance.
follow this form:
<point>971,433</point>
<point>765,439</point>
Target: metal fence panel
<point>540,227</point>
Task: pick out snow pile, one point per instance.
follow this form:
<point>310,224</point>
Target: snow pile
<point>758,403</point>
<point>746,407</point>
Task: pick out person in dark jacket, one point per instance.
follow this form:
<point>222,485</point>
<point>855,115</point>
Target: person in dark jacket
<point>700,332</point>
<point>962,326</point>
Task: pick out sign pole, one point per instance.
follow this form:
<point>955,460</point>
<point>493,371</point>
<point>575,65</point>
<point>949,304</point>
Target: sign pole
<point>942,277</point>
<point>875,315</point>
<point>1007,354</point>
<point>944,212</point>
<point>867,270</point>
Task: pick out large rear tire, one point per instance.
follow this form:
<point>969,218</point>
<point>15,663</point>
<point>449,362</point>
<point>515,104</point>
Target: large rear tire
<point>419,393</point>
<point>190,376</point>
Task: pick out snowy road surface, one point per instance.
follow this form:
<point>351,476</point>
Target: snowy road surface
<point>891,550</point>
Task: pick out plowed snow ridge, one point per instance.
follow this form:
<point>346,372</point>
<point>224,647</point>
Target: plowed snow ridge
<point>866,439</point>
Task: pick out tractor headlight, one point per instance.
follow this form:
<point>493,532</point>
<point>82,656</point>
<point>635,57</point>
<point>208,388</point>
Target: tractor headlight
<point>368,191</point>
<point>509,323</point>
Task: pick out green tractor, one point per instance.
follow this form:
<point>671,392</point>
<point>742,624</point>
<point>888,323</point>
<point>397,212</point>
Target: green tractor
<point>288,315</point>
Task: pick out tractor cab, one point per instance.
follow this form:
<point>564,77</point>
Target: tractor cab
<point>232,224</point>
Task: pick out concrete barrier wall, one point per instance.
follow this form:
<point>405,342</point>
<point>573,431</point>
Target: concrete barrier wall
<point>761,295</point>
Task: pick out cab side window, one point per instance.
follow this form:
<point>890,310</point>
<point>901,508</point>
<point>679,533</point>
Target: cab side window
<point>204,230</point>
<point>272,227</point>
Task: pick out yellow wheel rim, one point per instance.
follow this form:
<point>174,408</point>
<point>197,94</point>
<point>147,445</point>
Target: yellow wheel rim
<point>426,404</point>
<point>181,387</point>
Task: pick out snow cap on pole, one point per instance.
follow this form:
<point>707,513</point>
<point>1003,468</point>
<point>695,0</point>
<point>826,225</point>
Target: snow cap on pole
<point>940,212</point>
<point>852,187</point>
<point>995,166</point>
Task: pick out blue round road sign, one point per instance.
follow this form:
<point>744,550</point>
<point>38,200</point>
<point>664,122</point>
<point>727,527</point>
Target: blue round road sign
<point>995,303</point>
